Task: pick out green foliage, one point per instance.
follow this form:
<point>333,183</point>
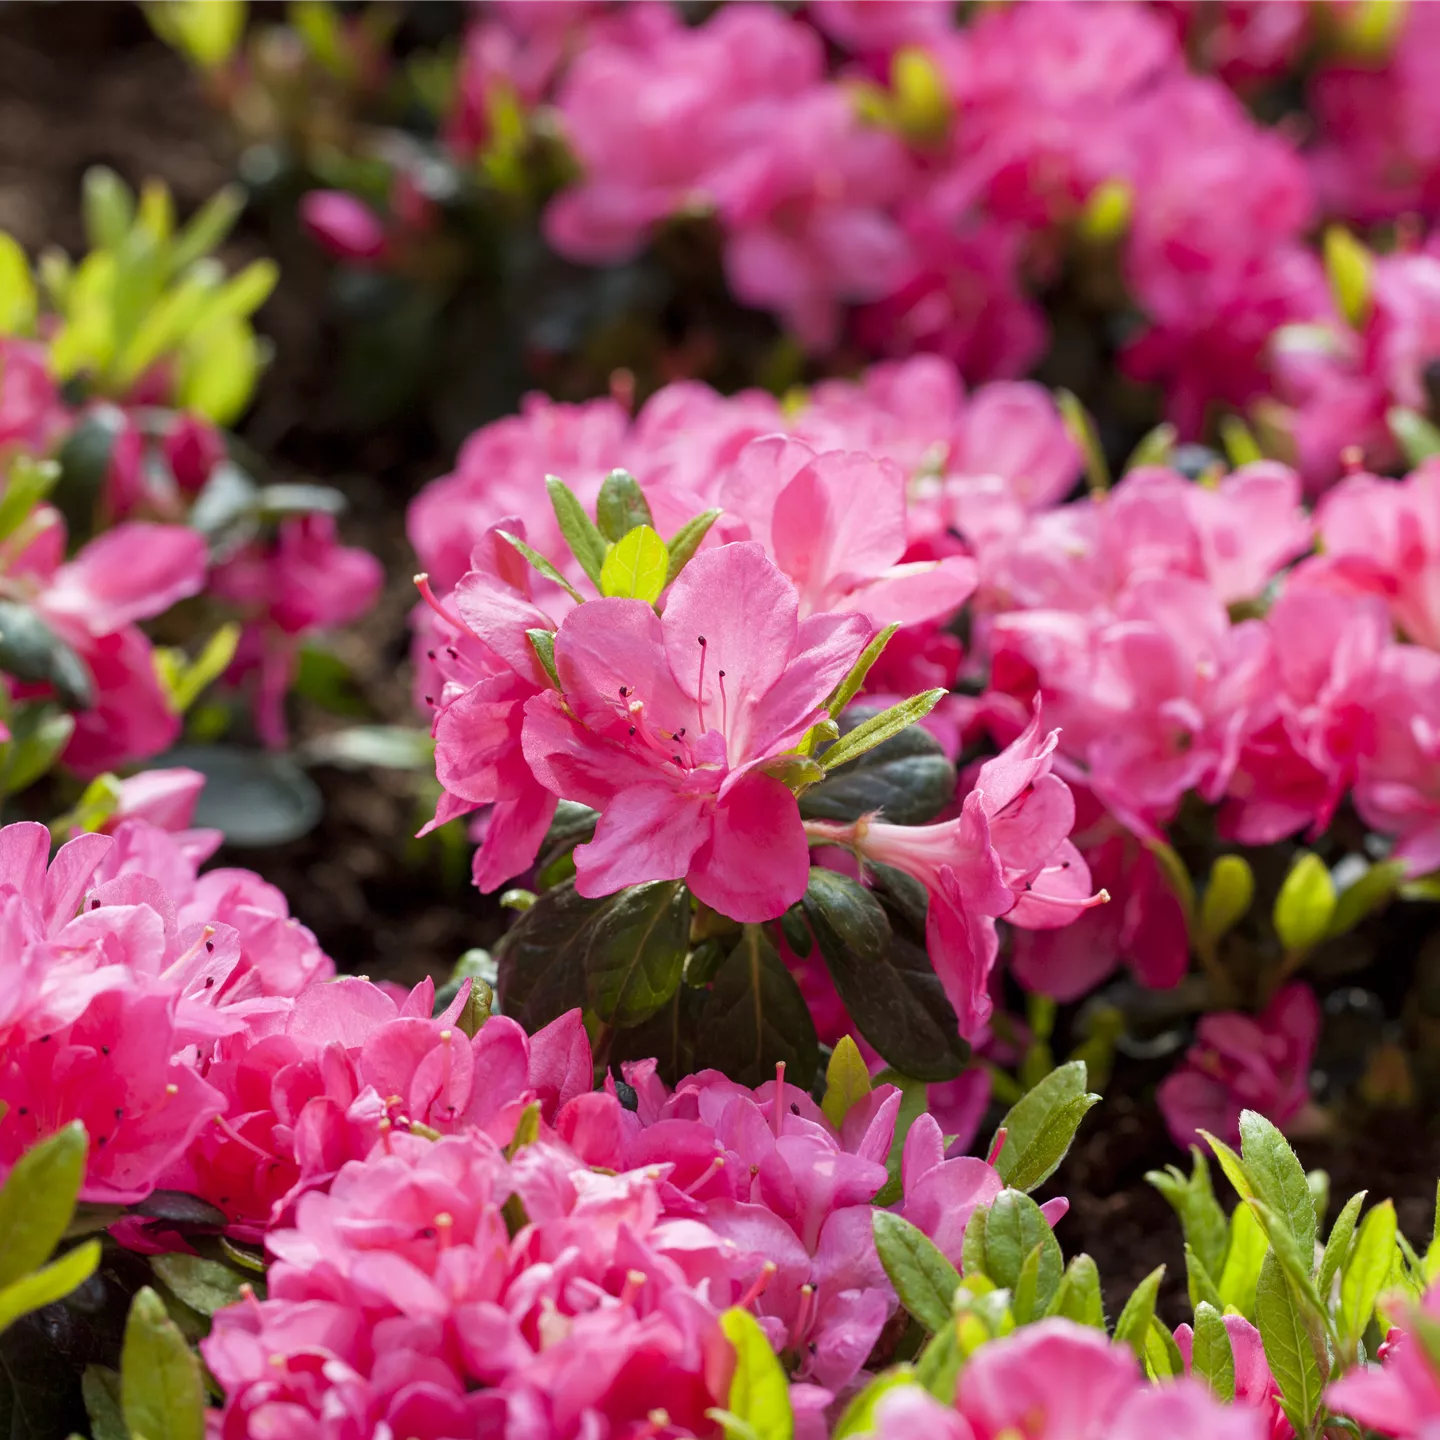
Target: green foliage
<point>162,1396</point>
<point>1040,1126</point>
<point>758,1406</point>
<point>923,1278</point>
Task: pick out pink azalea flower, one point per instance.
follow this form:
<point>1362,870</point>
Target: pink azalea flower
<point>835,524</point>
<point>346,228</point>
<point>1401,1397</point>
<point>1242,1062</point>
<point>306,582</point>
<point>32,415</point>
<point>1255,1386</point>
<point>1382,537</point>
<point>664,725</point>
<point>1008,853</point>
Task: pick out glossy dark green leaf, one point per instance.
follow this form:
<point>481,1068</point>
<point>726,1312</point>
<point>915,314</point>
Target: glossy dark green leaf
<point>84,464</point>
<point>887,983</point>
<point>923,1278</point>
<point>621,506</point>
<point>180,1209</point>
<point>204,1285</point>
<point>226,511</point>
<point>253,797</point>
<point>635,951</point>
<point>542,957</point>
<point>31,651</point>
<point>908,777</point>
<point>755,1017</point>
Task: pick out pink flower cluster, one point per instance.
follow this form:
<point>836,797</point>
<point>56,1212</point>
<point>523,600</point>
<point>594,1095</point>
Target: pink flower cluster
<point>147,558</point>
<point>1399,1397</point>
<point>1056,1380</point>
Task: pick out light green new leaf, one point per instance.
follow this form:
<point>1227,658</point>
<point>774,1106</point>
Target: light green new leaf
<point>1079,1297</point>
<point>18,299</point>
<point>759,1391</point>
<point>540,563</point>
<point>1337,1247</point>
<point>636,566</point>
<point>879,728</point>
<point>45,1286</point>
<point>847,1081</point>
<point>849,687</point>
<point>1163,1360</point>
<point>1231,1164</point>
<point>1305,905</point>
<point>1366,1273</point>
<point>1248,1248</point>
<point>1032,1111</point>
<point>1228,894</point>
<point>38,1200</point>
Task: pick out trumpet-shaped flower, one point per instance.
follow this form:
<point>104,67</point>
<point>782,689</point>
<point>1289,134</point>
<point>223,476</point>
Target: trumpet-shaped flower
<point>664,725</point>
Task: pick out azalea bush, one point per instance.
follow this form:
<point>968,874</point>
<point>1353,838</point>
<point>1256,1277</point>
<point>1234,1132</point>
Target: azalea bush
<point>950,655</point>
<point>125,501</point>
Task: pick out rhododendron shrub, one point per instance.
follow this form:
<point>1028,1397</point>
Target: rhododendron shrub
<point>121,500</point>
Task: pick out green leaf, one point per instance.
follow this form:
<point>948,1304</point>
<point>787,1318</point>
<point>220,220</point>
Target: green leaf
<point>1134,1322</point>
<point>207,227</point>
<point>204,1285</point>
<point>1022,1303</point>
<point>1199,1283</point>
<point>241,295</point>
<point>190,678</point>
<point>1079,1297</point>
<point>31,651</point>
<point>923,1278</point>
<point>859,1416</point>
<point>542,957</point>
<point>636,951</point>
<point>939,1364</point>
<point>1366,1273</point>
<point>1417,437</point>
<point>1025,1120</point>
<point>586,543</point>
<point>972,1246</point>
<point>1337,1247</point>
<point>45,1286</point>
<point>1241,447</point>
<point>1162,1357</point>
<point>1305,905</point>
<point>621,506</point>
<point>1206,1228</point>
<point>909,777</point>
<point>1083,433</point>
<point>542,642</point>
<point>888,984</point>
<point>1286,1339</point>
<point>755,1017</point>
<point>686,541</point>
<point>38,1200</point>
<point>880,728</point>
<point>100,1387</point>
<point>1297,1265</point>
<point>38,733</point>
<point>161,1393</point>
<point>849,687</point>
<point>1154,447</point>
<point>1228,894</point>
<point>759,1391</point>
<point>1014,1226</point>
<point>18,300</point>
<point>635,567</point>
<point>1231,1164</point>
<point>847,1081</point>
<point>1041,1158</point>
<point>1348,267</point>
<point>217,374</point>
<point>108,206</point>
<point>1362,897</point>
<point>1278,1179</point>
<point>1212,1358</point>
<point>28,483</point>
<point>207,31</point>
<point>541,564</point>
